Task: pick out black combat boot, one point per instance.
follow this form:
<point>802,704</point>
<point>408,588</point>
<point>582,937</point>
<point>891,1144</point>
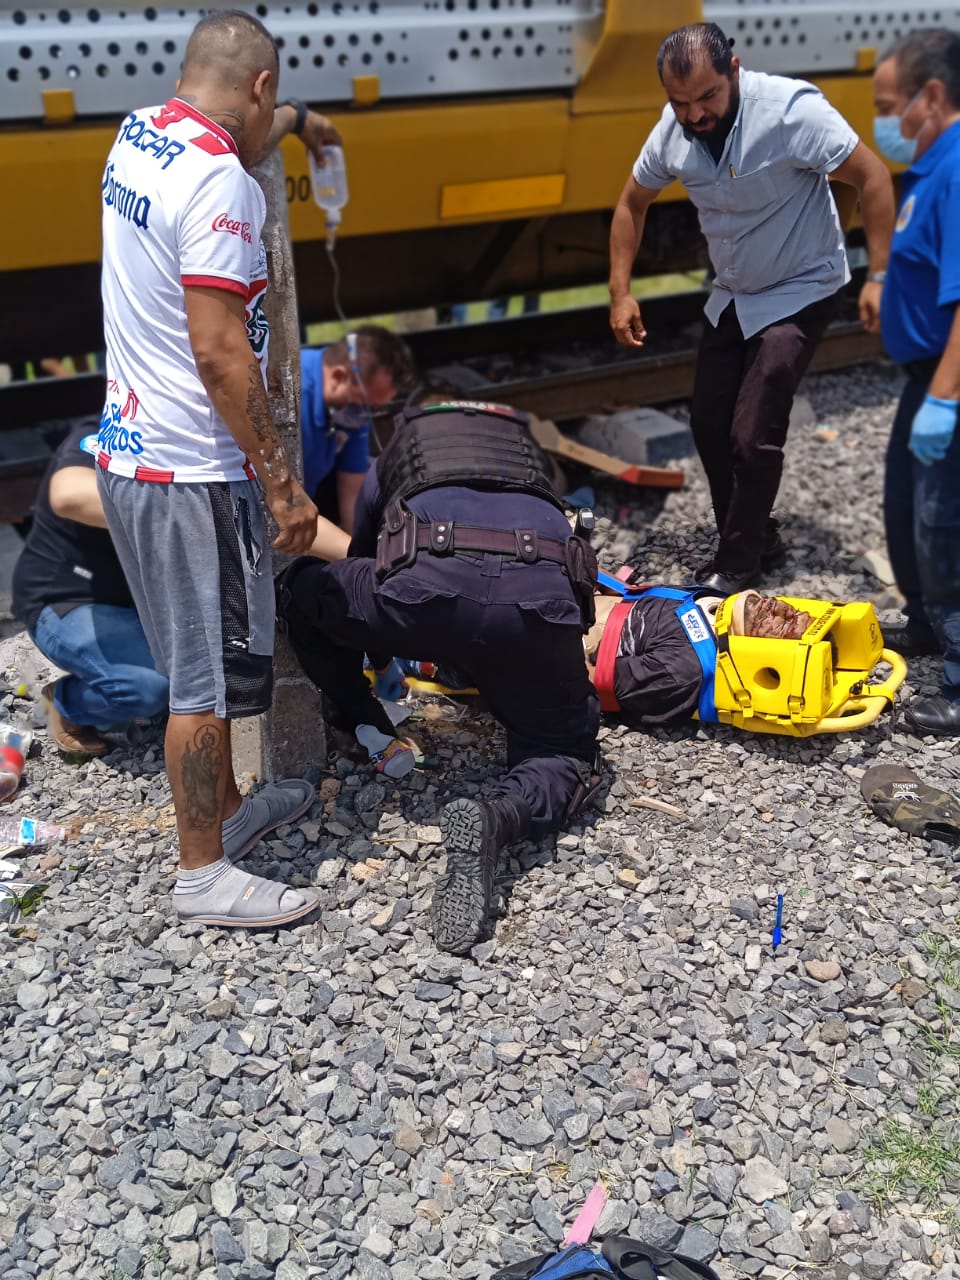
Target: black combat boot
<point>474,833</point>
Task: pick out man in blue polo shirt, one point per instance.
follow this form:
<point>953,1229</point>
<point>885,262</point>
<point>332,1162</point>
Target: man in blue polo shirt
<point>340,387</point>
<point>754,152</point>
<point>917,96</point>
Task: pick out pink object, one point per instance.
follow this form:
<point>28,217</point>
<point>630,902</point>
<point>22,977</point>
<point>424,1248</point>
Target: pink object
<point>588,1217</point>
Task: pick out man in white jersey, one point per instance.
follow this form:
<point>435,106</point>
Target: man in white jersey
<point>187,441</point>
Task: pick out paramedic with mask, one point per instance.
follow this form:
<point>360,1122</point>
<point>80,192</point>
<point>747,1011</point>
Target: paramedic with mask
<point>917,95</point>
<point>342,386</point>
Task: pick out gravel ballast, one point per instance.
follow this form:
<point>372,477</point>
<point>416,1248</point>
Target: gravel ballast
<point>342,1100</point>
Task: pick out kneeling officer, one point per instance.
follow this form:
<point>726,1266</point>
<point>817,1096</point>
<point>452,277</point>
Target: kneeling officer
<point>461,550</point>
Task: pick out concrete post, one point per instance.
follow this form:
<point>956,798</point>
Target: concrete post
<point>289,739</point>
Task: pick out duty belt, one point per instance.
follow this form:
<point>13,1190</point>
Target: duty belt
<point>398,547</point>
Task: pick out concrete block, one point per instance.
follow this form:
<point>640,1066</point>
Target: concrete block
<point>289,740</point>
<point>646,437</point>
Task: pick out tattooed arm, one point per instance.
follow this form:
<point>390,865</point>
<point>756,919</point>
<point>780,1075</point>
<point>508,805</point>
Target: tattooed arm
<point>318,132</point>
<point>216,324</point>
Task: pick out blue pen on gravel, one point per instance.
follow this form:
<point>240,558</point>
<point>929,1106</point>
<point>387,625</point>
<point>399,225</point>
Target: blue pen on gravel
<point>777,931</point>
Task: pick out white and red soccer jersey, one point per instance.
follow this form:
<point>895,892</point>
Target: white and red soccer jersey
<point>178,209</point>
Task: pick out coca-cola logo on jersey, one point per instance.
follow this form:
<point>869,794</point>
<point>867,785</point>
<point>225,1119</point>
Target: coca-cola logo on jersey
<point>235,228</point>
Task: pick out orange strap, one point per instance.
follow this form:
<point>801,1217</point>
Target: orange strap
<point>607,654</point>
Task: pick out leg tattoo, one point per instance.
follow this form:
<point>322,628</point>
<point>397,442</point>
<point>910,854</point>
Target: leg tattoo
<point>202,767</point>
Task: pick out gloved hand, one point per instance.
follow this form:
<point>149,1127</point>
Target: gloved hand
<point>932,430</point>
<point>389,683</point>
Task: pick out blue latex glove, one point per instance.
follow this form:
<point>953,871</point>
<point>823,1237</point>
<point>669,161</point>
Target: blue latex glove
<point>389,683</point>
<point>932,430</point>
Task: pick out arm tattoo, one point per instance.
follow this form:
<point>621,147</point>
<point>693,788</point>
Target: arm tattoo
<point>202,768</point>
<point>258,408</point>
<point>273,457</point>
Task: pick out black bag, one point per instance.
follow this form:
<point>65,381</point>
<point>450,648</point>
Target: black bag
<point>620,1259</point>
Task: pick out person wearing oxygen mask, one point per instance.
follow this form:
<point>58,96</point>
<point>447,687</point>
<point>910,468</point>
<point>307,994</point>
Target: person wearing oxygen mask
<point>917,98</point>
<point>342,385</point>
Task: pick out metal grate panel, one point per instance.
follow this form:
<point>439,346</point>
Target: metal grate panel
<point>804,37</point>
<point>115,57</point>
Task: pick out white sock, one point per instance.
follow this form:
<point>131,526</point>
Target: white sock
<point>201,879</point>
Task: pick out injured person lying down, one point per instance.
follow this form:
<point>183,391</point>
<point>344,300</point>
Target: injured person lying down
<point>767,664</point>
<point>651,654</point>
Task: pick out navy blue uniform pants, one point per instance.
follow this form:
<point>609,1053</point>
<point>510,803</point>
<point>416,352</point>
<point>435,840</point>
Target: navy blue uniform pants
<point>530,672</point>
<point>921,509</point>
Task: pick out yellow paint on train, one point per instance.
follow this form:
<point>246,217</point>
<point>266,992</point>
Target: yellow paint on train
<point>412,166</point>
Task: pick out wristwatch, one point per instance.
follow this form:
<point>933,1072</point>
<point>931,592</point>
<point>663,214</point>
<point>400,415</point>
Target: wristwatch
<point>876,277</point>
<point>301,109</point>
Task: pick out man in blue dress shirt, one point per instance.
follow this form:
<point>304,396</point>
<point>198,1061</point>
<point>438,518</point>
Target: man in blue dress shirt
<point>754,152</point>
<point>341,386</point>
<point>917,95</point>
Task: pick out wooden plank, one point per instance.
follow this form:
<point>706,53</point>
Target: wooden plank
<point>550,438</point>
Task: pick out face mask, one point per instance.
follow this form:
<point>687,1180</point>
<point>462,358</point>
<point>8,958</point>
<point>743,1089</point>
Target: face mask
<point>352,417</point>
<point>890,141</point>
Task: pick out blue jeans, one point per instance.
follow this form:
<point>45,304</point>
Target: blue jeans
<point>112,675</point>
<point>921,507</point>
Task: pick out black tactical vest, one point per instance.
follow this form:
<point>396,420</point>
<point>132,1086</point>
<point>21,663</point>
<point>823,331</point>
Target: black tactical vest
<point>483,446</point>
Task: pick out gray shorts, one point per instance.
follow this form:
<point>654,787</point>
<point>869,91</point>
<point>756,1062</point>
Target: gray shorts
<point>196,559</point>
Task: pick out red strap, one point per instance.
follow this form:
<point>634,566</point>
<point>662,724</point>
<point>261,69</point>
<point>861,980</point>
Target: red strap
<point>607,655</point>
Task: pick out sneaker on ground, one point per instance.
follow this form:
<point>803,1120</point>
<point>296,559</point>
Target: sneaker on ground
<point>392,756</point>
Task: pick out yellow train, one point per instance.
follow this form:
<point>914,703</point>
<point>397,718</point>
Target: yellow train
<point>486,140</point>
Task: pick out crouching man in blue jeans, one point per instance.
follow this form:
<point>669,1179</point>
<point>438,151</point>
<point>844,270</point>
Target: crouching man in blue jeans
<point>70,593</point>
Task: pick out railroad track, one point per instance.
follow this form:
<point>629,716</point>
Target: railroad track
<point>560,365</point>
<point>565,365</point>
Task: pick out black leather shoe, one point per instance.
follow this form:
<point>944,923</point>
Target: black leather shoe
<point>910,642</point>
<point>728,584</point>
<point>933,715</point>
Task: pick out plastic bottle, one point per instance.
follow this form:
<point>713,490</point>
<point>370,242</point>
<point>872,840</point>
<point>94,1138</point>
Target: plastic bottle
<point>14,745</point>
<point>27,831</point>
<point>330,187</point>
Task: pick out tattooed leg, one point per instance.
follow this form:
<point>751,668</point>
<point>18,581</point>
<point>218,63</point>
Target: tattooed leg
<point>204,789</point>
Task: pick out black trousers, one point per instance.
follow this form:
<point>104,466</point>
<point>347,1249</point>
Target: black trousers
<point>921,509</point>
<point>530,672</point>
<point>742,396</point>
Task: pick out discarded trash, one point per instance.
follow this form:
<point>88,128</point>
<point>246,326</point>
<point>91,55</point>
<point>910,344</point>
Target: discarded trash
<point>588,1217</point>
<point>777,931</point>
<point>18,900</point>
<point>27,831</point>
<point>661,806</point>
<point>902,799</point>
<point>397,712</point>
<point>14,746</point>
